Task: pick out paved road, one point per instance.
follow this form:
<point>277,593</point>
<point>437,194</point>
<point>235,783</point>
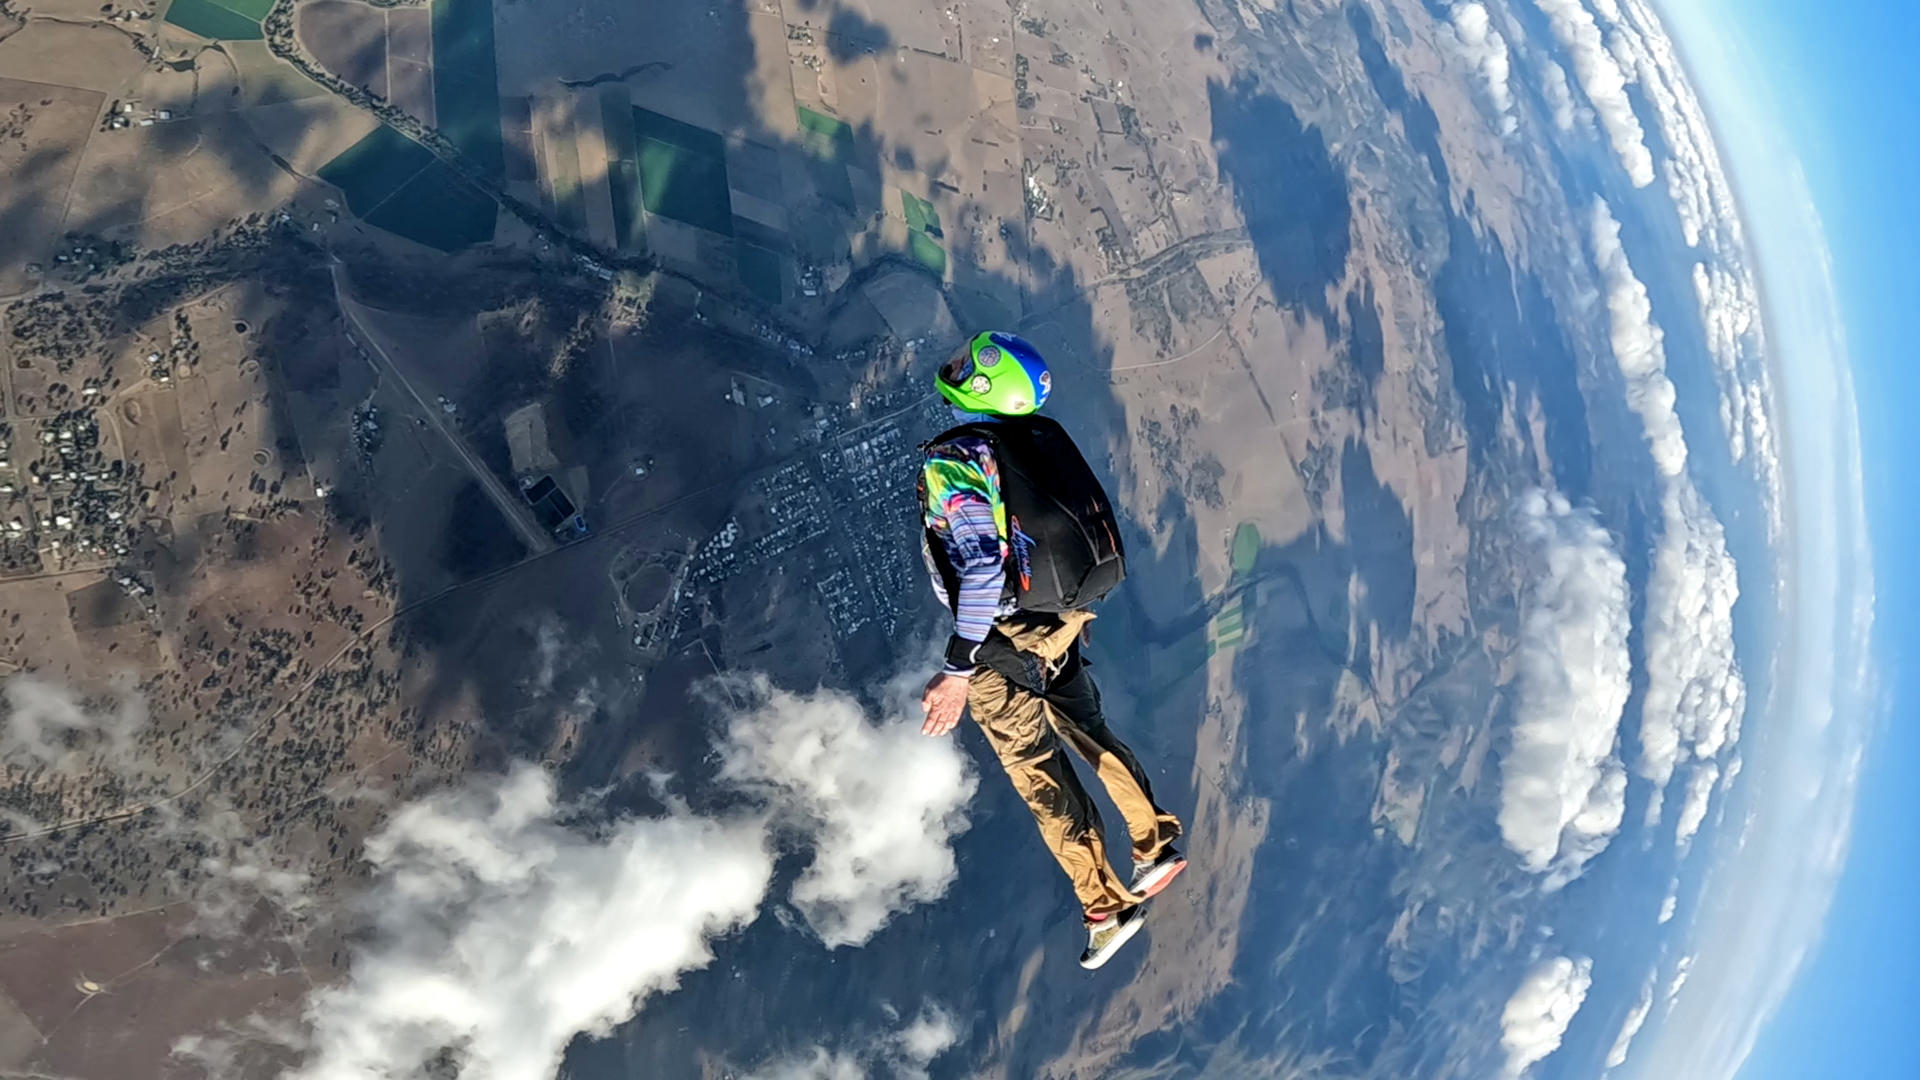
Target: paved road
<point>514,508</point>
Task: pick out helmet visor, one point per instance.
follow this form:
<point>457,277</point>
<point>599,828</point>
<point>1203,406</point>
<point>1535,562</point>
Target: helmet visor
<point>958,368</point>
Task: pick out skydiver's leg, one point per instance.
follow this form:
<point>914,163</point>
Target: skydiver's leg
<point>1015,721</point>
<point>1074,701</point>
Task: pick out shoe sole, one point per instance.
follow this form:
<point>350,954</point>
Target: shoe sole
<point>1158,879</point>
<point>1126,934</point>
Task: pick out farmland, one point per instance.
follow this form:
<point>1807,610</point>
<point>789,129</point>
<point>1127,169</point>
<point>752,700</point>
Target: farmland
<point>466,81</point>
<point>396,184</point>
<point>228,20</point>
<point>683,172</point>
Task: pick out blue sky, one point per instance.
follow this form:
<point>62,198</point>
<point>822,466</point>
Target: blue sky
<point>1835,86</point>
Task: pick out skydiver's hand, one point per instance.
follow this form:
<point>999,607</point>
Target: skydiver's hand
<point>945,699</point>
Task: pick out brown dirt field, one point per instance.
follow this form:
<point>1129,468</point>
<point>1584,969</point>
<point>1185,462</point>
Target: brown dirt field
<point>349,40</point>
<point>43,129</point>
<point>264,79</point>
<point>310,132</point>
<point>174,182</point>
<point>131,1028</point>
<point>412,88</point>
<point>93,57</point>
<point>42,639</point>
<point>39,967</point>
<point>410,35</point>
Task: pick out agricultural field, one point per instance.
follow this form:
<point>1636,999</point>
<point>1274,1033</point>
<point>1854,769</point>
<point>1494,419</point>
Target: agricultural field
<point>43,129</point>
<point>683,172</point>
<point>220,20</point>
<point>466,81</point>
<point>349,39</point>
<point>396,184</point>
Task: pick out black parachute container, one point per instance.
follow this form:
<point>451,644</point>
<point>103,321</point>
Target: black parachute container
<point>1064,551</point>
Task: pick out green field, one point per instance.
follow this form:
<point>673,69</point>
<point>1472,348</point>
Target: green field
<point>466,83</point>
<point>927,252</point>
<point>919,213</point>
<point>375,167</point>
<point>683,172</point>
<point>396,184</point>
<point>439,209</point>
<point>1246,548</point>
<point>1229,627</point>
<point>827,137</point>
<point>231,20</point>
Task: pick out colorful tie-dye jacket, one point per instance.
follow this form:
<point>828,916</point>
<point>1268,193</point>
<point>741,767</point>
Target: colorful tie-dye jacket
<point>965,516</point>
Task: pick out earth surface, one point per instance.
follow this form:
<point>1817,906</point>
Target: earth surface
<point>1375,325</point>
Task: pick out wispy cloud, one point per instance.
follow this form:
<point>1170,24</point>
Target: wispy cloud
<point>901,1055</point>
<point>1563,787</point>
<point>1537,1015</point>
<point>1636,1018</point>
<point>45,725</point>
<point>1604,84</point>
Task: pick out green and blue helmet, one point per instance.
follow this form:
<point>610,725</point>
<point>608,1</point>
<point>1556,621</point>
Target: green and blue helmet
<point>996,373</point>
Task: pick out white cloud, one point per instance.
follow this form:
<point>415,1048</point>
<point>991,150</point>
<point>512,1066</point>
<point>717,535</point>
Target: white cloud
<point>1693,811</point>
<point>881,809</point>
<point>503,922</point>
<point>1563,788</point>
<point>1553,83</point>
<point>45,725</point>
<point>1677,980</point>
<point>498,929</point>
<point>1604,84</point>
<point>1537,1014</point>
<point>1636,1018</point>
<point>1668,906</point>
<point>1487,50</point>
<point>1695,693</point>
<point>1639,345</point>
<point>1703,198</point>
<point>902,1055</point>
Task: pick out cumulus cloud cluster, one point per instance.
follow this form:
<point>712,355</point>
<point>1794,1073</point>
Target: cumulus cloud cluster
<point>1537,1015</point>
<point>1695,693</point>
<point>902,1055</point>
<point>1563,787</point>
<point>1486,48</point>
<point>1642,53</point>
<point>881,809</point>
<point>1604,84</point>
<point>503,921</point>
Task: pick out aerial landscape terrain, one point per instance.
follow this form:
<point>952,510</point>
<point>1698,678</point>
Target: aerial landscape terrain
<point>456,465</point>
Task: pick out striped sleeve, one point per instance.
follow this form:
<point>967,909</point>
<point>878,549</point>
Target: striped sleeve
<point>964,513</point>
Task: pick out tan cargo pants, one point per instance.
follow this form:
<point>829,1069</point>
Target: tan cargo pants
<point>1031,694</point>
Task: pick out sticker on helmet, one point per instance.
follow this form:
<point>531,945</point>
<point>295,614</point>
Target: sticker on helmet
<point>1046,383</point>
<point>989,355</point>
<point>980,384</point>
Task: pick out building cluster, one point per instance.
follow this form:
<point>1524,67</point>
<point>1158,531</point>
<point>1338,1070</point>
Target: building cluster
<point>847,511</point>
<point>62,501</point>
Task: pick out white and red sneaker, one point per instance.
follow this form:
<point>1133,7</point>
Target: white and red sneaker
<point>1151,877</point>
